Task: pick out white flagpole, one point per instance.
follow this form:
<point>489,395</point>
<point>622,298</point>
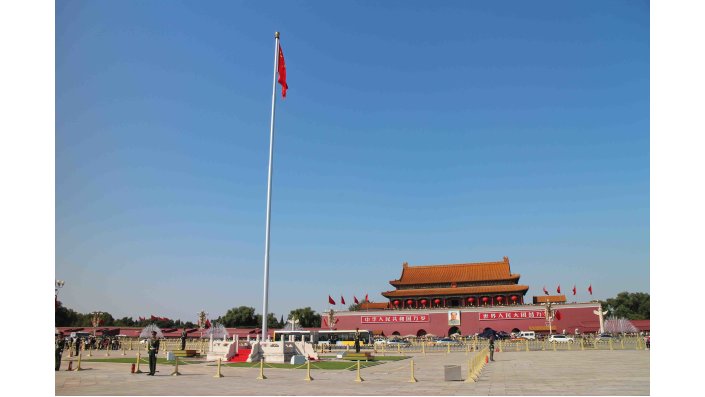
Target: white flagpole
<point>265,310</point>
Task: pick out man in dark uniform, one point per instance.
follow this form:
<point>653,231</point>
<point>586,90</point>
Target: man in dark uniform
<point>153,344</point>
<point>78,345</point>
<point>183,339</point>
<point>357,340</point>
<point>492,347</point>
<point>59,344</point>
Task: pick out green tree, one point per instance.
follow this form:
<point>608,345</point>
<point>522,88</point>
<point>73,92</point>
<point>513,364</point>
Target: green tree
<point>65,317</point>
<point>125,322</point>
<point>306,316</point>
<point>242,316</point>
<point>629,305</point>
<point>272,321</point>
<point>354,307</point>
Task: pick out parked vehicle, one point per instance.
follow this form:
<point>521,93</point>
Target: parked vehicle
<point>531,335</point>
<point>604,337</point>
<point>560,338</point>
<point>398,342</point>
<point>446,341</point>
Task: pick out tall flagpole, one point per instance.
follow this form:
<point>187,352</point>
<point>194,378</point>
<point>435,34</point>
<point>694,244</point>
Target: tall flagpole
<point>265,311</point>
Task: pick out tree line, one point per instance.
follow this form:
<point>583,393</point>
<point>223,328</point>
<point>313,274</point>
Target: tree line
<point>237,317</point>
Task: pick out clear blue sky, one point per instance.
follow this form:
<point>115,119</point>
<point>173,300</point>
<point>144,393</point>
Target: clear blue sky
<point>411,131</point>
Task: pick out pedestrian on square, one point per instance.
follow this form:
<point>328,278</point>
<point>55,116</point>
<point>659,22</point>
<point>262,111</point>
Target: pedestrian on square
<point>78,345</point>
<point>492,347</point>
<point>153,351</point>
<point>59,345</point>
<point>183,339</point>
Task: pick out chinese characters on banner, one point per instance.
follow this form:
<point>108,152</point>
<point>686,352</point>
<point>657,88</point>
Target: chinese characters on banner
<point>513,315</point>
<point>407,318</point>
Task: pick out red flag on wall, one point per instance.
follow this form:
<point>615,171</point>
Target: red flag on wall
<point>590,289</point>
<point>558,290</point>
<point>574,290</point>
<point>355,299</point>
<point>342,300</point>
<point>330,300</point>
<point>557,314</point>
<point>545,291</point>
<point>282,72</point>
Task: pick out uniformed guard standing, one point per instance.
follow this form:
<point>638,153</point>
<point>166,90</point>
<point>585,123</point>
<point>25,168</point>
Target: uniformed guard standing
<point>153,351</point>
<point>78,345</point>
<point>183,339</point>
<point>59,349</point>
<point>492,347</point>
<point>357,340</point>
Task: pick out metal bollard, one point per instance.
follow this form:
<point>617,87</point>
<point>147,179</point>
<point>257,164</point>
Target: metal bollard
<point>137,371</point>
<point>359,378</point>
<point>78,365</point>
<point>218,374</point>
<point>413,378</point>
<point>261,370</point>
<point>308,377</point>
<point>176,367</point>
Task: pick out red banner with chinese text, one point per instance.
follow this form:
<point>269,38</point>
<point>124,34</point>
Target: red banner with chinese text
<point>513,315</point>
<point>406,318</point>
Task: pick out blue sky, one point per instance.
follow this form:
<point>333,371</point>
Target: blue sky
<point>411,131</point>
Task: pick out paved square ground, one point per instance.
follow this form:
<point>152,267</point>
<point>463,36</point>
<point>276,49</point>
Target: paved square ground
<point>590,372</point>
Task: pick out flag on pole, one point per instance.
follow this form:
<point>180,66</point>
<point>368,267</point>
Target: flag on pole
<point>574,290</point>
<point>342,300</point>
<point>366,300</point>
<point>355,299</point>
<point>330,300</point>
<point>590,289</point>
<point>558,290</point>
<point>545,291</point>
<point>282,72</point>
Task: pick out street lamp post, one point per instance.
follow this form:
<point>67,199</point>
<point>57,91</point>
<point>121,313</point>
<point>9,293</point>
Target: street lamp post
<point>95,320</point>
<point>58,284</point>
<point>549,315</point>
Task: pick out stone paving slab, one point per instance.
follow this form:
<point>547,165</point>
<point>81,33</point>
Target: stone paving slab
<point>513,373</point>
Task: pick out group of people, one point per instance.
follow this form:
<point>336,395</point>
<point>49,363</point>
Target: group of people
<point>62,343</point>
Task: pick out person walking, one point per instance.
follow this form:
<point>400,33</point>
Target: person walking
<point>59,345</point>
<point>153,351</point>
<point>492,347</point>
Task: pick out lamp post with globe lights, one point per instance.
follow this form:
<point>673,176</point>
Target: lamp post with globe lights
<point>96,320</point>
<point>58,284</point>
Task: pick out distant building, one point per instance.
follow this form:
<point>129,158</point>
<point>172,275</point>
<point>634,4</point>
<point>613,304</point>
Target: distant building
<point>465,298</point>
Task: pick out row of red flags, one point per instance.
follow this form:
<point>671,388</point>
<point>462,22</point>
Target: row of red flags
<point>342,300</point>
<point>575,291</point>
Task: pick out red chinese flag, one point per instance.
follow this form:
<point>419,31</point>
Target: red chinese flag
<point>330,300</point>
<point>355,299</point>
<point>574,290</point>
<point>558,290</point>
<point>208,324</point>
<point>557,314</point>
<point>545,291</point>
<point>366,300</point>
<point>282,72</point>
<point>590,289</point>
<point>342,300</point>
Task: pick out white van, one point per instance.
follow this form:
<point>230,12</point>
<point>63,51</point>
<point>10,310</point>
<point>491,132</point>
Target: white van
<point>531,335</point>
